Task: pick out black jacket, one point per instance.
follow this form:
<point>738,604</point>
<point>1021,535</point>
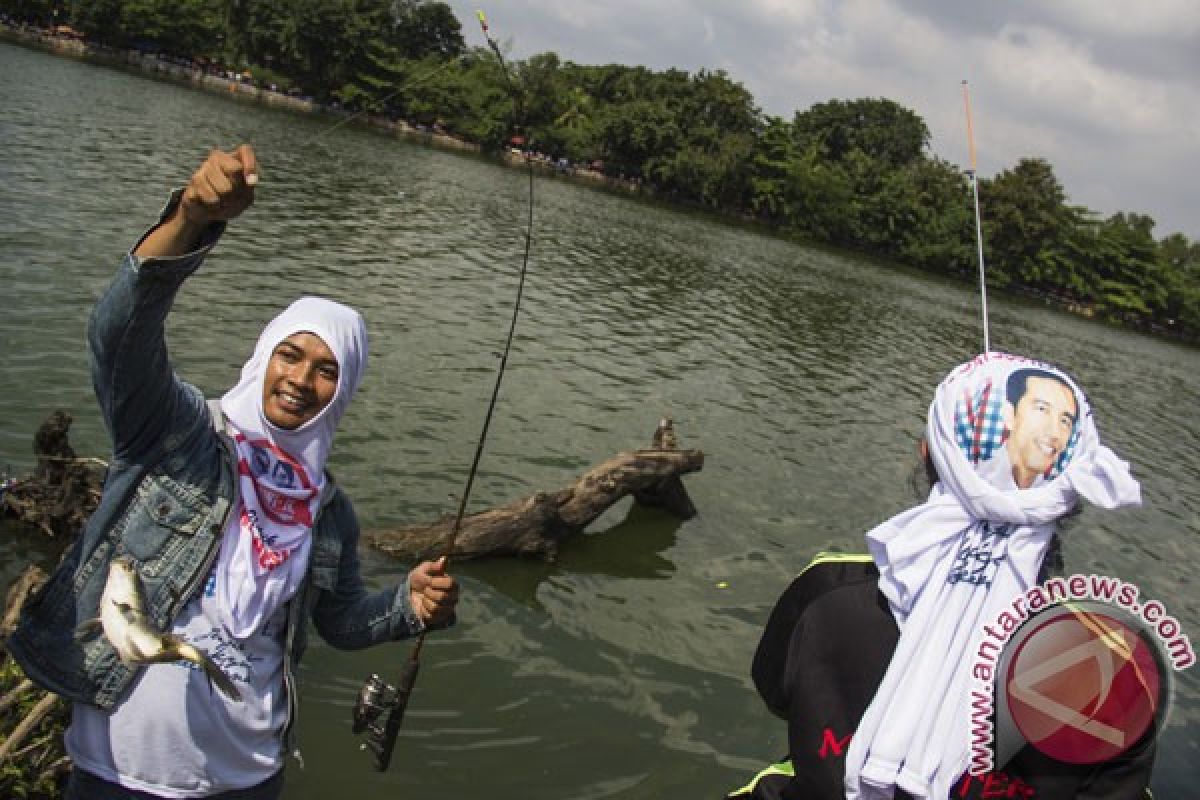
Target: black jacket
<point>824,651</point>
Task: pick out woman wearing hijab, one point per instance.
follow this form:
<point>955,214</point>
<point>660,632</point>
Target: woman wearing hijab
<point>226,513</point>
<point>871,658</point>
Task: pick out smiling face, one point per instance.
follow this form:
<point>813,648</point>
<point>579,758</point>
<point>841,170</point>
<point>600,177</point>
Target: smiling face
<point>1039,427</point>
<point>301,379</point>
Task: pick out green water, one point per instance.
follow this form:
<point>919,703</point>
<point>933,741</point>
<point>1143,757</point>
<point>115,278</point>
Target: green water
<point>622,670</point>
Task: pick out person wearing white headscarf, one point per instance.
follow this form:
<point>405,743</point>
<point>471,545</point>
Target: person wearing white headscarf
<point>1008,467</point>
<point>869,657</point>
<point>281,470</point>
<point>225,511</point>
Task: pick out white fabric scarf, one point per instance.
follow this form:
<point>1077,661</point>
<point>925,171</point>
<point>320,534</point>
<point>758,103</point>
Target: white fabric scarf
<point>948,566</point>
<point>264,551</point>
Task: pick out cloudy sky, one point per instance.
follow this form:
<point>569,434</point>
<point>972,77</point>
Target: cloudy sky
<point>1108,92</point>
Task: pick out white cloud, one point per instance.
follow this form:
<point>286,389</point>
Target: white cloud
<point>1168,19</point>
<point>794,14</point>
<point>1060,77</point>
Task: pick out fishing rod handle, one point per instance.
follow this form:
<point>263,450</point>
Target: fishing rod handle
<point>408,678</point>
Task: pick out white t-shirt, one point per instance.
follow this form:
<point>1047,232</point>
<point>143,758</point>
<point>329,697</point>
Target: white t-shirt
<point>176,736</point>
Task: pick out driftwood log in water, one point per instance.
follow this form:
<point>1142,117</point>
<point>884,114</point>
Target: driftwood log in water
<point>25,585</point>
<point>535,525</point>
<point>63,490</point>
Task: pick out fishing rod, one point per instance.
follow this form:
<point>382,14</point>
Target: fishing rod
<point>518,95</point>
<point>973,174</point>
<point>376,695</point>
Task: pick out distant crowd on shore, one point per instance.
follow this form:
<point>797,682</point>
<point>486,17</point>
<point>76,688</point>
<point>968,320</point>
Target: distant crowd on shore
<point>64,37</point>
<point>215,75</point>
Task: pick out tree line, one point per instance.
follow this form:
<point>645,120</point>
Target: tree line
<point>852,173</point>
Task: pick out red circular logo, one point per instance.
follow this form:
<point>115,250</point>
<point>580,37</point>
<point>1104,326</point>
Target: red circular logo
<point>1083,686</point>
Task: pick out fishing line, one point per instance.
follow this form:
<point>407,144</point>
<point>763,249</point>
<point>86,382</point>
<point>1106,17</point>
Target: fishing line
<point>973,174</point>
<point>416,81</point>
<point>363,112</point>
<point>376,695</point>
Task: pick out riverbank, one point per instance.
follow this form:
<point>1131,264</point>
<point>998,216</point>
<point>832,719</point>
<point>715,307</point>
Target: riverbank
<point>213,78</point>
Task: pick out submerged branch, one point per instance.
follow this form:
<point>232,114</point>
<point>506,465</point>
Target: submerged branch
<point>536,525</point>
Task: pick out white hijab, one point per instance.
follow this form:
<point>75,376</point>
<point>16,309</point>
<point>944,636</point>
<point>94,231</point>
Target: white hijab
<point>948,565</point>
<point>264,552</point>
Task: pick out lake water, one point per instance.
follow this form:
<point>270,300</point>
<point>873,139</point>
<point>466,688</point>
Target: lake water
<point>622,670</point>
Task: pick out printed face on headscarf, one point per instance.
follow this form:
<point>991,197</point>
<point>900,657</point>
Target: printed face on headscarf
<point>300,380</point>
<point>1040,422</point>
<point>1019,409</point>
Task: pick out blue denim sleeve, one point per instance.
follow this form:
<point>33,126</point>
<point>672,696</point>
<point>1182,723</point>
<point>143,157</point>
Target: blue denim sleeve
<point>349,617</point>
<point>139,394</point>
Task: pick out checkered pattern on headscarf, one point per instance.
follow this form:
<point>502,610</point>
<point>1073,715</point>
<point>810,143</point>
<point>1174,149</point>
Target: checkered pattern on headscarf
<point>1064,457</point>
<point>978,423</point>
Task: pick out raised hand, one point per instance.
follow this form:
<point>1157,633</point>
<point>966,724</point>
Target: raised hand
<point>222,188</point>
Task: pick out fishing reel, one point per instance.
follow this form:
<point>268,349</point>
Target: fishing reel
<point>374,698</point>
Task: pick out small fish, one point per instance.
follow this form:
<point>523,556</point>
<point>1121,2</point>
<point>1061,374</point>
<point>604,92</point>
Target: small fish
<point>124,623</point>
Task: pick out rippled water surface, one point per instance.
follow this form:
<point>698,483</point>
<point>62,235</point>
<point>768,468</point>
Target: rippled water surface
<point>622,670</point>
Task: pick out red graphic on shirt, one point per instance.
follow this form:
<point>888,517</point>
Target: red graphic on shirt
<point>281,484</point>
<point>1083,687</point>
<point>284,509</point>
<point>832,745</point>
<point>284,495</point>
<point>995,785</point>
<point>267,558</point>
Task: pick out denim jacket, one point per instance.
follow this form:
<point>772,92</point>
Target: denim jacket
<point>169,489</point>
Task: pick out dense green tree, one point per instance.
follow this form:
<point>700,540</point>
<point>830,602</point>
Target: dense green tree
<point>432,90</point>
<point>191,27</point>
<point>101,20</point>
<point>541,94</point>
<point>717,122</point>
<point>869,224</point>
<point>36,12</point>
<point>574,134</point>
<point>1180,261</point>
<point>318,44</point>
<point>926,211</point>
<point>377,79</point>
<point>717,106</point>
<point>254,33</point>
<point>820,202</point>
<point>340,49</point>
<point>473,101</point>
<point>1026,221</point>
<point>879,128</point>
<point>1125,263</point>
<point>774,153</point>
<point>1179,255</point>
<point>632,133</point>
<point>423,28</point>
<point>714,175</point>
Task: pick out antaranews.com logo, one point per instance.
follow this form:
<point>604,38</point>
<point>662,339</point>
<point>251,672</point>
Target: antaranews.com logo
<point>1080,668</point>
